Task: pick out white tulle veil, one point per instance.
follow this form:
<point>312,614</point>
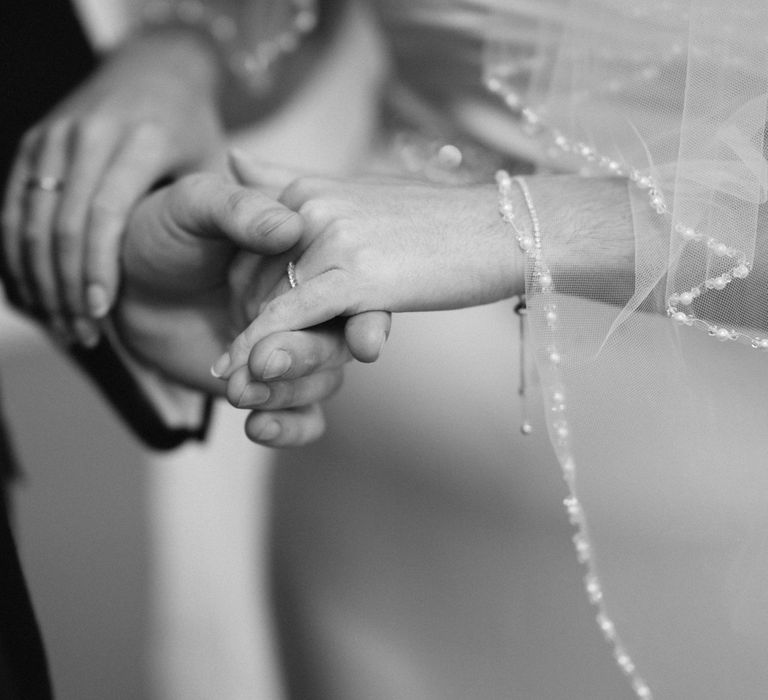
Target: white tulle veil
<point>658,406</point>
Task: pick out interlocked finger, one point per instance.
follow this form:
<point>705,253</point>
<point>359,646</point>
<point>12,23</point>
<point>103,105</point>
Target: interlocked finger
<point>242,392</point>
<point>294,354</point>
<point>311,303</point>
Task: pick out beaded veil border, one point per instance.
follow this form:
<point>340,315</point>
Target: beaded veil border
<point>674,100</point>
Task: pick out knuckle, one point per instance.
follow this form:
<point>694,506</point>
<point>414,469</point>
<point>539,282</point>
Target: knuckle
<point>279,396</point>
<point>92,130</point>
<point>361,261</point>
<point>150,134</point>
<point>44,286</point>
<point>341,236</point>
<point>194,181</point>
<point>344,245</point>
<point>274,223</point>
<point>7,221</point>
<point>293,431</point>
<point>297,191</point>
<point>315,213</point>
<point>241,347</point>
<point>29,142</point>
<point>237,206</point>
<point>67,246</point>
<point>190,188</point>
<point>68,229</point>
<point>312,358</point>
<point>286,393</point>
<point>55,131</point>
<point>35,239</point>
<point>104,207</point>
<point>275,308</point>
<point>233,392</point>
<point>302,189</point>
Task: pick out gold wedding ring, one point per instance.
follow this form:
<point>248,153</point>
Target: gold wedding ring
<point>291,270</point>
<point>46,183</point>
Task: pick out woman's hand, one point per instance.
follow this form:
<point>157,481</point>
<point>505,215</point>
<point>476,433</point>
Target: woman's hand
<point>148,113</point>
<point>388,245</point>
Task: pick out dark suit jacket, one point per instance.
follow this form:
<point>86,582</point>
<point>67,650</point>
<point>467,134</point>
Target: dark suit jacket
<point>43,55</point>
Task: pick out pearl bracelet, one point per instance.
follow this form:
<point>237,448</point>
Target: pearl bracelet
<point>252,68</point>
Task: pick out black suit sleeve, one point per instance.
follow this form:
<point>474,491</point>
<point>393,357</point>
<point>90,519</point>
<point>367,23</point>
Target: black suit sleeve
<point>123,392</point>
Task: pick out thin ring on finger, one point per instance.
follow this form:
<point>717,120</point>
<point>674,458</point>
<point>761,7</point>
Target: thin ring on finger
<point>44,183</point>
<point>46,168</point>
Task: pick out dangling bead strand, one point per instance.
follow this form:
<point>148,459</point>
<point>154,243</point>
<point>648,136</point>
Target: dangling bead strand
<point>541,283</point>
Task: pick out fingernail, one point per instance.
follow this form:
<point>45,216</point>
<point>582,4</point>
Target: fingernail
<point>278,363</point>
<point>86,331</point>
<point>254,394</point>
<point>98,301</point>
<point>269,432</point>
<point>221,365</point>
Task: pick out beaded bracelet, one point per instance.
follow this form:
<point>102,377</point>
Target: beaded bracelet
<point>252,68</point>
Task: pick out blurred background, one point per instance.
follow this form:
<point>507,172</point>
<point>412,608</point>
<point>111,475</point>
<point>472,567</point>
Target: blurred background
<point>148,570</point>
<point>144,568</point>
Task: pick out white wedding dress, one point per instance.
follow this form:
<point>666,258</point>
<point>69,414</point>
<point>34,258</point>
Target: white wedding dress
<point>421,550</point>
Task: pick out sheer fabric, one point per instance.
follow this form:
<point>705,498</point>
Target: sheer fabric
<point>659,428</point>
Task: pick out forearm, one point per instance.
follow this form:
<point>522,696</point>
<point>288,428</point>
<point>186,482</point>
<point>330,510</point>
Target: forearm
<point>586,237</point>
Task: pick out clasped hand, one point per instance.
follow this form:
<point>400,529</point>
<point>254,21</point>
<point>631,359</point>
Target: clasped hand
<point>372,245</point>
<point>189,254</point>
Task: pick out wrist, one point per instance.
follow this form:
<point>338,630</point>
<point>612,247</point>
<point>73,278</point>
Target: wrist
<point>587,233</point>
<point>575,228</point>
<point>478,260</point>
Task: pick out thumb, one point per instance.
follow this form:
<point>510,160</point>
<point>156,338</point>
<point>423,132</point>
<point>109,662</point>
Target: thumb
<point>209,207</point>
<point>255,173</point>
<point>366,334</point>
